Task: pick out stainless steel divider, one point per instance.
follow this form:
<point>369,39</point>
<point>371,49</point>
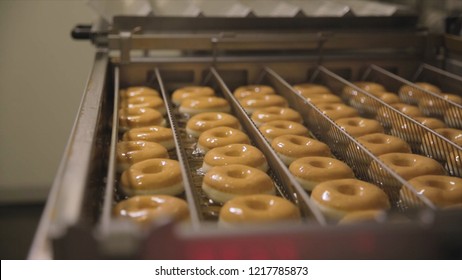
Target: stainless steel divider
<point>294,191</point>
<point>108,203</point>
<point>191,196</point>
<point>347,148</point>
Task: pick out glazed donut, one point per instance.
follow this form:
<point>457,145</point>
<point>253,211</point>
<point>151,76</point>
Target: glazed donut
<point>443,191</point>
<point>274,113</point>
<point>311,171</point>
<point>386,117</point>
<point>435,147</point>
<point>453,117</point>
<point>311,89</point>
<point>405,165</point>
<point>219,137</point>
<point>205,121</point>
<point>139,117</point>
<point>357,126</point>
<point>145,209</point>
<point>157,134</point>
<point>369,105</point>
<point>322,98</point>
<point>274,129</point>
<point>137,92</point>
<point>337,198</point>
<point>191,92</point>
<point>454,163</point>
<point>253,90</point>
<point>371,87</point>
<point>153,102</point>
<point>192,106</point>
<point>130,152</point>
<point>407,130</point>
<point>380,144</point>
<point>292,147</point>
<point>413,93</point>
<point>437,107</point>
<point>235,154</point>
<point>337,111</point>
<point>223,183</point>
<point>252,103</point>
<point>153,176</point>
<point>355,217</point>
<point>257,209</point>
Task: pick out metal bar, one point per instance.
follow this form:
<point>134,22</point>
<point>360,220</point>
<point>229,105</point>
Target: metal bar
<point>64,204</point>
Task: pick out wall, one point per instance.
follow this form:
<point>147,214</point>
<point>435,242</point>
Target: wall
<point>43,73</point>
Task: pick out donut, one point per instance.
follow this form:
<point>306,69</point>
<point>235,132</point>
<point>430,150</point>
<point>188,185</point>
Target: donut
<point>274,113</point>
<point>310,89</point>
<point>371,87</point>
<point>407,166</point>
<point>435,147</point>
<point>235,154</point>
<point>144,209</point>
<point>257,209</point>
<point>219,137</point>
<point>196,105</point>
<point>413,93</point>
<point>153,102</point>
<point>139,117</point>
<point>191,92</point>
<point>322,98</point>
<point>442,191</point>
<point>453,117</point>
<point>153,176</point>
<point>273,129</point>
<point>357,126</point>
<point>252,103</point>
<point>205,121</point>
<point>408,130</point>
<point>454,163</point>
<point>337,111</point>
<point>380,144</point>
<point>130,152</point>
<point>311,171</point>
<point>386,118</point>
<point>157,134</point>
<point>369,105</point>
<point>355,217</point>
<point>435,107</point>
<point>252,91</point>
<point>337,198</point>
<point>291,147</point>
<point>222,183</point>
<point>137,92</point>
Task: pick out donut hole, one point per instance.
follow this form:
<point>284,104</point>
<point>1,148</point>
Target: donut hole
<point>354,123</point>
<point>238,174</point>
<point>297,141</point>
<point>282,126</point>
<point>319,164</point>
<point>437,184</point>
<point>403,162</point>
<point>222,134</point>
<point>256,205</point>
<point>346,190</point>
<point>152,169</point>
<point>377,140</point>
<point>233,153</point>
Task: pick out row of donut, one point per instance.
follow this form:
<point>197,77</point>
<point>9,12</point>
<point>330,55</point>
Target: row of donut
<point>233,171</point>
<point>310,161</point>
<point>428,143</point>
<point>410,100</point>
<point>151,180</point>
<point>426,175</point>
